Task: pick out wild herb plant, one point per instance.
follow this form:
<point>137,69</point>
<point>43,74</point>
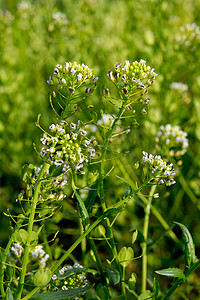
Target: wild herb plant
<point>74,167</point>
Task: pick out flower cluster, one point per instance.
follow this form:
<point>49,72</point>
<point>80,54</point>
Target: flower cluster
<point>172,140</point>
<point>59,20</point>
<point>159,168</point>
<point>131,77</point>
<point>68,147</point>
<point>190,34</point>
<point>71,76</point>
<point>69,277</point>
<point>37,255</point>
<point>15,251</point>
<point>24,8</point>
<point>179,87</point>
<point>5,18</point>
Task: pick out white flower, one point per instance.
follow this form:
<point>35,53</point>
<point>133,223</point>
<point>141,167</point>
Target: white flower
<point>58,163</point>
<point>52,127</point>
<point>63,80</point>
<point>83,132</point>
<point>73,71</point>
<point>54,277</point>
<point>79,76</point>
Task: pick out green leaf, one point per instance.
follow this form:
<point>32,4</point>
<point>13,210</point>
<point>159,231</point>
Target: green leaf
<point>55,171</point>
<point>27,172</point>
<point>112,211</point>
<point>94,116</point>
<point>156,287</point>
<point>22,235</point>
<point>125,255</point>
<point>134,236</point>
<point>113,275</point>
<point>132,281</point>
<point>100,230</point>
<point>102,292</point>
<point>172,272</point>
<point>92,195</point>
<point>42,277</point>
<point>129,191</point>
<point>61,294</point>
<point>190,257</point>
<point>73,271</point>
<point>9,295</point>
<point>145,295</point>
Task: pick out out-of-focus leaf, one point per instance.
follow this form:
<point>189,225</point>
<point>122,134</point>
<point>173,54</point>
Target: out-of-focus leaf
<point>42,277</point>
<point>102,292</point>
<point>113,275</point>
<point>134,236</point>
<point>156,287</point>
<point>9,294</point>
<point>189,250</point>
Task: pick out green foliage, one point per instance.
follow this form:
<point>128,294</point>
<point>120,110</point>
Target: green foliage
<point>42,277</point>
<point>116,189</point>
<point>126,255</point>
<point>190,257</point>
<point>61,295</point>
<point>172,272</point>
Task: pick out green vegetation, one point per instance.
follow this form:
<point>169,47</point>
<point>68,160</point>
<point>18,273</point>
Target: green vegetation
<point>108,197</point>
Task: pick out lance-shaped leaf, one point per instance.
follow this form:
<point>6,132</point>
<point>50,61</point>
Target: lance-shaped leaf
<point>61,294</point>
<point>190,257</point>
<point>172,272</point>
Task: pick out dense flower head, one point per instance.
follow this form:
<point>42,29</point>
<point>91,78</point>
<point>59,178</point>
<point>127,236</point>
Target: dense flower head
<point>68,277</point>
<point>69,146</point>
<point>70,76</point>
<point>189,35</point>
<point>159,168</point>
<point>38,257</point>
<point>131,77</point>
<point>172,140</point>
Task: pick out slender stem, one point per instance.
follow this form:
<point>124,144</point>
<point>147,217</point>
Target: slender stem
<point>188,190</point>
<point>102,201</point>
<point>29,231</point>
<point>31,293</point>
<point>84,212</point>
<point>181,281</point>
<point>145,235</point>
<point>76,243</point>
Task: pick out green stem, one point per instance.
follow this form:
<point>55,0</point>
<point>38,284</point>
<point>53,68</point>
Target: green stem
<point>5,256</point>
<point>181,281</point>
<point>84,212</point>
<point>76,243</point>
<point>102,201</point>
<point>31,293</point>
<point>29,231</point>
<point>145,235</point>
<point>188,190</point>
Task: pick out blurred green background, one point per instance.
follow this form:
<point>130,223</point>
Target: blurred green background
<point>36,35</point>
